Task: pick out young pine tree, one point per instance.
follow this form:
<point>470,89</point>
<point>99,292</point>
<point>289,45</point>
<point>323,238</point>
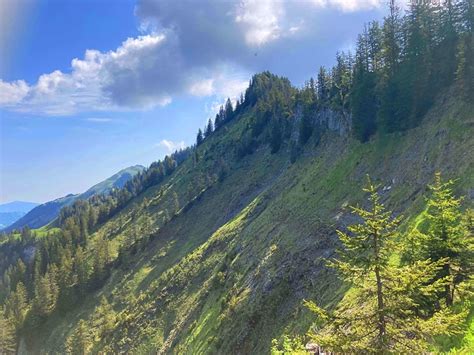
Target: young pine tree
<point>380,315</point>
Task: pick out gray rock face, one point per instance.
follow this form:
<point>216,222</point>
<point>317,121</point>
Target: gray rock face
<point>326,119</point>
<point>331,120</point>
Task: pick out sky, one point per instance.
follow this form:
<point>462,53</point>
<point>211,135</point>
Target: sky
<point>89,87</point>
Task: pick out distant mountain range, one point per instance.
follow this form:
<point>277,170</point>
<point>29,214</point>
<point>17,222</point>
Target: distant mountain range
<point>12,211</point>
<point>40,215</point>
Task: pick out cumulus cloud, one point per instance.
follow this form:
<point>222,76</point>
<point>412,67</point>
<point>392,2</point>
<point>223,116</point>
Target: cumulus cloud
<point>99,81</point>
<point>170,146</point>
<point>11,93</point>
<point>260,20</point>
<point>205,48</point>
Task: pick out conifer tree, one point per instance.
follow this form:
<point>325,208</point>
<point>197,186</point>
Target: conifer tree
<point>104,318</point>
<point>80,269</point>
<point>228,110</point>
<point>7,336</point>
<point>447,239</point>
<point>388,86</point>
<point>323,86</point>
<point>379,315</point>
<point>46,293</point>
<point>101,259</point>
<point>16,306</point>
<point>79,342</point>
<point>199,137</point>
<point>219,120</point>
<point>209,129</point>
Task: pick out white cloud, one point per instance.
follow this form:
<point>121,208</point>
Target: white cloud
<point>11,93</point>
<point>203,87</point>
<point>88,86</point>
<point>171,146</point>
<point>202,53</point>
<point>349,5</point>
<point>260,20</point>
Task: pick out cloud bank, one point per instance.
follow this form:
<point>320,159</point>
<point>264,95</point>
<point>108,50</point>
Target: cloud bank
<point>205,48</point>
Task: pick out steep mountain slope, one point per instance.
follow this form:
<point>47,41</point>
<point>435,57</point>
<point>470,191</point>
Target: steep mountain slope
<point>46,212</point>
<point>12,211</point>
<point>228,246</point>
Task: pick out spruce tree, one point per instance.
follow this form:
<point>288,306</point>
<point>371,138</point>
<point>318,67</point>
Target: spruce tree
<point>322,86</point>
<point>447,238</point>
<point>79,342</point>
<point>104,318</point>
<point>16,306</point>
<point>379,315</point>
<point>228,110</point>
<point>7,335</point>
<point>209,128</point>
<point>199,137</point>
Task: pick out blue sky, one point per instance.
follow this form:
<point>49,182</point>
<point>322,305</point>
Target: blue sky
<point>90,87</point>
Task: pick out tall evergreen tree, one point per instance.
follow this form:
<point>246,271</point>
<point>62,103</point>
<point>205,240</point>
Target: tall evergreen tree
<point>16,306</point>
<point>228,110</point>
<point>7,336</point>
<point>323,84</point>
<point>389,91</point>
<point>80,341</point>
<point>199,137</point>
<point>363,92</point>
<point>465,52</point>
<point>209,129</point>
<point>447,238</point>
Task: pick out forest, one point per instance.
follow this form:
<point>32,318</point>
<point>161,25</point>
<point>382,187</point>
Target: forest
<point>407,278</point>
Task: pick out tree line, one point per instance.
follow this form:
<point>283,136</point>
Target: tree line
<point>399,66</point>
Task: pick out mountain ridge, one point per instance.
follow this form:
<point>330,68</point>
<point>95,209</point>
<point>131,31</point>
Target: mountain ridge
<point>43,214</point>
<point>12,211</point>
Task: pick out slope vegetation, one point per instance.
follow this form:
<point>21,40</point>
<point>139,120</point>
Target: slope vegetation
<point>225,249</point>
<point>45,213</point>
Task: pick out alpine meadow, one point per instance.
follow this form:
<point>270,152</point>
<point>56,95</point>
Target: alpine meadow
<point>334,216</point>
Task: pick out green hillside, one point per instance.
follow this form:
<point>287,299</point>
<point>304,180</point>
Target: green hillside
<point>45,213</point>
<point>219,256</point>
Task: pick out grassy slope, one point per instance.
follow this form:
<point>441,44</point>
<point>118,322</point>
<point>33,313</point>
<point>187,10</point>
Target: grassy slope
<point>228,272</point>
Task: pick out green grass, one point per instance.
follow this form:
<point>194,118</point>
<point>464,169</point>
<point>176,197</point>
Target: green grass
<point>230,268</point>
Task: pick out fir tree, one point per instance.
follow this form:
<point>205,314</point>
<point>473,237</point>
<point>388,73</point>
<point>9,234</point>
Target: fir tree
<point>199,137</point>
<point>323,86</point>
<point>447,238</point>
<point>379,315</point>
<point>104,318</point>
<point>7,335</point>
<point>228,110</point>
<point>209,129</point>
<point>79,342</point>
<point>16,306</point>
